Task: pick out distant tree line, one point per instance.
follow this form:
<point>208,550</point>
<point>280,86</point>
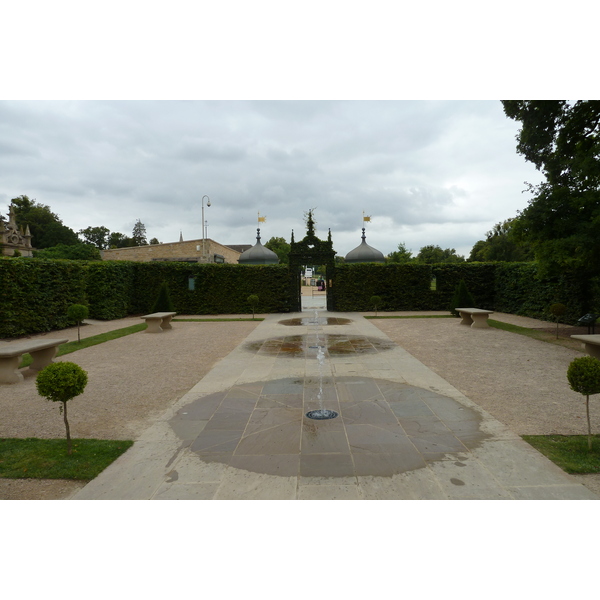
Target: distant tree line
<point>428,255</point>
<point>52,239</point>
<point>559,229</point>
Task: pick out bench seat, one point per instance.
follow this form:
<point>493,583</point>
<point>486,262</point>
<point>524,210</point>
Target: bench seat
<point>42,352</point>
<point>475,317</point>
<point>591,343</point>
<point>159,321</point>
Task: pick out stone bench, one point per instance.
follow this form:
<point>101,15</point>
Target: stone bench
<point>475,317</point>
<point>158,321</point>
<point>42,352</point>
<point>591,343</point>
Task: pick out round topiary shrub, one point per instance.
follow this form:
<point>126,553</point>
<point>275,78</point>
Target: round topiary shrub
<point>253,302</point>
<point>375,301</point>
<point>557,310</point>
<point>584,377</point>
<point>77,313</point>
<point>60,382</point>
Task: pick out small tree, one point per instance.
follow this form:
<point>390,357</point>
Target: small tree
<point>77,312</point>
<point>584,377</point>
<point>60,382</point>
<point>461,299</point>
<point>558,310</point>
<point>375,301</point>
<point>253,302</point>
<point>138,235</point>
<point>163,302</point>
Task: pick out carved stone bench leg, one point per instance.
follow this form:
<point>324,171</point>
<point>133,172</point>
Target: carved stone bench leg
<point>166,322</point>
<point>479,321</point>
<point>153,325</point>
<point>9,370</point>
<point>466,318</point>
<point>42,358</point>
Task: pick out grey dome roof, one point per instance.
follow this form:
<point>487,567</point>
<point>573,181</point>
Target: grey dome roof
<point>258,254</point>
<point>364,253</point>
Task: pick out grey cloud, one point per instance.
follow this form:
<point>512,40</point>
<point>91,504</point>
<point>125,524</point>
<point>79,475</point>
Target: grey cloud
<point>207,150</point>
<point>420,168</point>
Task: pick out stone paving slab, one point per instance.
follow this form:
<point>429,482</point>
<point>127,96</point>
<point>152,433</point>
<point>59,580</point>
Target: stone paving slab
<point>402,432</point>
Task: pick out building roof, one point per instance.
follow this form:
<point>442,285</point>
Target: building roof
<point>239,247</point>
<point>364,253</point>
<point>258,254</point>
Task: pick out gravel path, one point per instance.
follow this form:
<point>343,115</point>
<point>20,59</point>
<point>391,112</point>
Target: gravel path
<point>520,381</point>
<point>131,380</point>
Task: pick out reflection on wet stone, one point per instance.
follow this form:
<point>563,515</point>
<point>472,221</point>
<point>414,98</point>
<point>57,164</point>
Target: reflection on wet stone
<point>384,428</point>
<point>305,345</point>
<point>307,321</point>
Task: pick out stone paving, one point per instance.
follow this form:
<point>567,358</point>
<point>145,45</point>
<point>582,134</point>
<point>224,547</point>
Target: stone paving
<point>401,432</point>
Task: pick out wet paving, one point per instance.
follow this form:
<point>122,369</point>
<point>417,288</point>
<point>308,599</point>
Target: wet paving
<point>305,346</point>
<point>383,428</point>
<point>401,432</point>
<point>318,321</point>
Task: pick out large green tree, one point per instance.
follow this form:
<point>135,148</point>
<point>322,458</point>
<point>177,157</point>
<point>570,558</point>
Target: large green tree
<point>434,254</point>
<point>280,247</point>
<point>46,227</point>
<point>562,220</point>
<point>120,240</point>
<point>402,255</point>
<point>501,244</point>
<point>97,236</point>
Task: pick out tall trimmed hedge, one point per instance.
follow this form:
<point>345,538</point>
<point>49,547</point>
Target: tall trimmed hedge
<point>218,288</point>
<point>110,289</point>
<point>409,286</point>
<point>479,278</point>
<point>401,287</point>
<point>518,291</point>
<point>503,287</point>
<point>35,294</point>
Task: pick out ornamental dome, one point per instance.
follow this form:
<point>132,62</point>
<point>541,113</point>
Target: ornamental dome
<point>364,253</point>
<point>258,254</point>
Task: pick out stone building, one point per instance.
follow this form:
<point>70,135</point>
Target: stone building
<point>12,238</point>
<point>202,251</point>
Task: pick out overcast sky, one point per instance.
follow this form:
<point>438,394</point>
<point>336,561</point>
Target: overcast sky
<point>441,171</point>
<point>427,172</point>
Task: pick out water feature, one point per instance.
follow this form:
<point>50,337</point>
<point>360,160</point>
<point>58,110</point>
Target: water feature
<point>321,413</point>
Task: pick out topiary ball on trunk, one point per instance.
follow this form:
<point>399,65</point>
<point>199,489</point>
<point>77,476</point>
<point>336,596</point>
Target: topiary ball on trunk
<point>584,375</point>
<point>62,381</point>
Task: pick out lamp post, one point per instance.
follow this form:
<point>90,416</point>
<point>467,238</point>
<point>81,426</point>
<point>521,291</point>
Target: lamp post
<point>203,236</point>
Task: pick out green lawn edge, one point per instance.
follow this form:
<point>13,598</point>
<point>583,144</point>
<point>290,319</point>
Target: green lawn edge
<point>569,452</point>
<point>216,319</point>
<point>36,458</point>
<point>409,316</point>
<point>93,340</point>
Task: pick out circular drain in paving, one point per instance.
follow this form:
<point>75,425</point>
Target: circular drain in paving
<point>321,414</point>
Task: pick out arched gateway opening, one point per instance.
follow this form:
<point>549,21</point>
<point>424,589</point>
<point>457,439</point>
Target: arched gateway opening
<point>311,251</point>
